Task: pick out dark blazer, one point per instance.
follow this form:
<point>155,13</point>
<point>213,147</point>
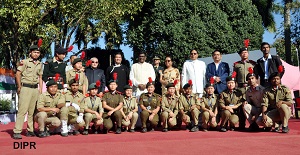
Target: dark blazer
<point>93,75</point>
<point>222,72</point>
<point>273,64</point>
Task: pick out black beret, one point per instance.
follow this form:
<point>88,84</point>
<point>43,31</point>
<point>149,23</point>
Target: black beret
<point>274,75</point>
<point>92,86</point>
<point>60,50</point>
<point>251,74</point>
<point>34,47</point>
<point>112,80</point>
<point>186,86</point>
<point>76,60</point>
<point>170,85</point>
<point>208,85</point>
<point>127,87</point>
<point>72,81</point>
<point>150,83</point>
<point>229,78</point>
<point>50,83</point>
<point>242,49</point>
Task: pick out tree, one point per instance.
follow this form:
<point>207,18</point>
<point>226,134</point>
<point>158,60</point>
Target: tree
<point>24,22</point>
<point>175,27</point>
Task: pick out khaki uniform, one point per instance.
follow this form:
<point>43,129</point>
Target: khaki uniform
<point>82,78</point>
<point>95,104</point>
<point>185,104</point>
<point>113,100</point>
<point>129,105</point>
<point>236,98</point>
<point>210,103</point>
<point>70,113</point>
<point>48,118</point>
<point>169,104</point>
<point>274,115</point>
<point>150,103</point>
<point>30,72</point>
<point>254,98</point>
<point>241,69</point>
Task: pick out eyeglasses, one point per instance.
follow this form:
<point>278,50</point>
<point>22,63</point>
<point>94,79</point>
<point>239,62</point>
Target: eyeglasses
<point>95,62</point>
<point>194,53</point>
<point>168,61</point>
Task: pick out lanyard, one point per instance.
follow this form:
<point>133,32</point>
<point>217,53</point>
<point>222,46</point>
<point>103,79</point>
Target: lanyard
<point>128,103</point>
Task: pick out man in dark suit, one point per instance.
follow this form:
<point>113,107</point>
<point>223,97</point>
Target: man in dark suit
<point>267,64</point>
<point>219,71</point>
<point>94,74</point>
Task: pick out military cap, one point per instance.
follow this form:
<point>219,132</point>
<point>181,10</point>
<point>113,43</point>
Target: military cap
<point>76,60</point>
<point>211,82</point>
<point>92,86</point>
<point>50,83</point>
<point>188,85</point>
<point>279,73</point>
<point>170,85</point>
<point>150,82</point>
<point>34,47</point>
<point>232,77</point>
<point>60,50</point>
<point>242,49</point>
<point>73,81</point>
<point>127,87</point>
<point>156,58</point>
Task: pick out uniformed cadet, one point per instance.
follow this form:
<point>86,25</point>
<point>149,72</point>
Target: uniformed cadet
<point>189,107</point>
<point>150,104</point>
<point>76,71</point>
<point>169,105</point>
<point>209,107</point>
<point>56,67</point>
<point>276,104</point>
<point>230,101</point>
<point>112,102</point>
<point>28,76</point>
<point>241,68</point>
<point>48,106</point>
<point>93,109</point>
<point>72,113</point>
<point>252,106</point>
<point>129,109</point>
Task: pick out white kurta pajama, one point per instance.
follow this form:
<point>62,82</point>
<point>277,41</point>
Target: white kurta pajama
<point>194,70</point>
<point>139,74</point>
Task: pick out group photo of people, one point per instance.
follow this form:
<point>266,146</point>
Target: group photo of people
<point>81,98</point>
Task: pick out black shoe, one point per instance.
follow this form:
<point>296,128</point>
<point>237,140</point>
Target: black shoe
<point>118,131</point>
<point>285,129</point>
<point>131,130</point>
<point>144,130</point>
<point>104,131</point>
<point>223,129</point>
<point>165,130</point>
<point>30,134</point>
<point>188,127</point>
<point>276,129</point>
<point>195,129</point>
<point>253,126</point>
<point>17,136</point>
<point>93,128</point>
<point>43,134</point>
<point>85,132</point>
<point>267,129</point>
<point>76,132</point>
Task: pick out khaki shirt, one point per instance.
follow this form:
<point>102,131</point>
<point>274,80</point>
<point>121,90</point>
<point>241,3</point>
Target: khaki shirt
<point>272,96</point>
<point>129,104</point>
<point>78,98</point>
<point>185,103</point>
<point>148,102</point>
<point>93,103</point>
<point>112,99</point>
<point>209,102</point>
<point>170,104</point>
<point>82,78</point>
<point>48,101</point>
<point>254,97</point>
<point>231,99</point>
<point>30,71</point>
<point>241,69</point>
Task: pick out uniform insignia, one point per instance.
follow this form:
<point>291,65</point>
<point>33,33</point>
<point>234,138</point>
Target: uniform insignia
<point>21,63</point>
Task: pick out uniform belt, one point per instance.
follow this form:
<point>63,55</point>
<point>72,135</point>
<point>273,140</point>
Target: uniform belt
<point>242,85</point>
<point>30,85</point>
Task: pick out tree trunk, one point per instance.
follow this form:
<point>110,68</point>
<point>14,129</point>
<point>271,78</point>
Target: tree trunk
<point>287,30</point>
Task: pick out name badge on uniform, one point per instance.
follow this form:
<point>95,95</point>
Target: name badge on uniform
<point>231,105</point>
<point>145,100</point>
<point>149,107</point>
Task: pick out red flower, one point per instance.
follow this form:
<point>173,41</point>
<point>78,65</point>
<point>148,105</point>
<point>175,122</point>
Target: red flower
<point>70,48</point>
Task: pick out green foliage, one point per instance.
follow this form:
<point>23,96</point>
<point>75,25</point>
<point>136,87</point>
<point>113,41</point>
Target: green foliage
<point>5,105</point>
<point>280,49</point>
<point>174,27</point>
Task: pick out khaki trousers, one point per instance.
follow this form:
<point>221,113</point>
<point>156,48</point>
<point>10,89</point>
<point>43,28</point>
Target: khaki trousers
<point>132,121</point>
<point>165,116</point>
<point>274,116</point>
<point>43,120</point>
<point>109,120</point>
<point>88,118</point>
<point>145,117</point>
<point>207,119</point>
<point>228,116</point>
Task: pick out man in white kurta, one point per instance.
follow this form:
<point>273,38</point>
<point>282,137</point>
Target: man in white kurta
<point>194,70</point>
<point>139,75</point>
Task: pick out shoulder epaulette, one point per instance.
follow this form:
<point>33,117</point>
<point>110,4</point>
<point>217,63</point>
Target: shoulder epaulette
<point>235,63</point>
